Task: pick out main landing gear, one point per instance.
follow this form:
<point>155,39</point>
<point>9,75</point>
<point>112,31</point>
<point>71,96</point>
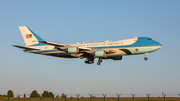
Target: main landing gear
<point>99,61</point>
<point>90,60</point>
<point>145,58</point>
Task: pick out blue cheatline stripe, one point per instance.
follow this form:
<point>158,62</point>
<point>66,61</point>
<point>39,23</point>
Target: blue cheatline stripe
<point>126,51</point>
<point>54,50</point>
<point>117,47</point>
<point>44,51</point>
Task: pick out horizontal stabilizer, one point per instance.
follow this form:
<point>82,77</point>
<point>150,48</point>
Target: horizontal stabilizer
<point>28,48</point>
<point>53,44</point>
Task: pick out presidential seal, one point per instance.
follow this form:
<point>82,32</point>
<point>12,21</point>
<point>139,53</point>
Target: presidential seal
<point>136,49</point>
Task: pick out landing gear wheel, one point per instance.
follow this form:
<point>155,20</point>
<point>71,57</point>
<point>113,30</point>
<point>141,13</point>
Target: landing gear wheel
<point>98,63</point>
<point>81,57</point>
<point>99,60</point>
<point>91,62</point>
<point>145,58</point>
<point>86,61</point>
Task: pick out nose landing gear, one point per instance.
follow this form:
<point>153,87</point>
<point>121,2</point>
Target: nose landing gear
<point>145,58</point>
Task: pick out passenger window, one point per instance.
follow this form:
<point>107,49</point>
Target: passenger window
<point>149,39</point>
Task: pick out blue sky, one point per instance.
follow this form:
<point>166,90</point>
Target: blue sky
<point>90,21</point>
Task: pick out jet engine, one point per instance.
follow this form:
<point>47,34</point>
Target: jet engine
<point>100,53</point>
<point>73,50</point>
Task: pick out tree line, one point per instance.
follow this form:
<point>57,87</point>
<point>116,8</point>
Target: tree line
<point>35,94</point>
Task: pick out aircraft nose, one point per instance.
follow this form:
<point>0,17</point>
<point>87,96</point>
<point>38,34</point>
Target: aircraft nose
<point>157,43</point>
<point>160,44</point>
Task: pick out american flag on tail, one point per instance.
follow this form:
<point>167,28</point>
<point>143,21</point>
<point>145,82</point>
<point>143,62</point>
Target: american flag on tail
<point>28,35</point>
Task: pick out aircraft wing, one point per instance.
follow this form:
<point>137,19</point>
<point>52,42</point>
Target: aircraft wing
<point>53,44</point>
<point>27,48</point>
<point>63,45</point>
<point>84,48</point>
<point>110,51</point>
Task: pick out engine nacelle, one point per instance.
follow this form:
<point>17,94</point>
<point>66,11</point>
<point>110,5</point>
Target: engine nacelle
<point>73,50</point>
<point>100,53</point>
<point>117,58</point>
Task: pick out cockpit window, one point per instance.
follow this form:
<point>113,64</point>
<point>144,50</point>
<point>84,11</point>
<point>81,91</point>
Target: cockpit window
<point>149,39</point>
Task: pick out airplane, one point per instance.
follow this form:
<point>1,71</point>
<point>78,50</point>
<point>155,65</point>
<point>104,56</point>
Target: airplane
<point>103,50</point>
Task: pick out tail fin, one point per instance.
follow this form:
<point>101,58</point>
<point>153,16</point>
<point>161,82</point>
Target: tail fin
<point>30,38</point>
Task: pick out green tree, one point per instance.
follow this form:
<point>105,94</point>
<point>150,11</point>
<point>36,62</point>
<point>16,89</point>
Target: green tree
<point>34,94</point>
<point>24,95</point>
<point>51,94</point>
<point>57,96</point>
<point>47,94</point>
<point>10,93</point>
<point>63,95</point>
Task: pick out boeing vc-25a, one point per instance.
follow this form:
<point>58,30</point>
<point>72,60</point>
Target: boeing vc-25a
<point>102,50</point>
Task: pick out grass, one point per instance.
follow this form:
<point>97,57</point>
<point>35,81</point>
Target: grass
<point>97,99</point>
